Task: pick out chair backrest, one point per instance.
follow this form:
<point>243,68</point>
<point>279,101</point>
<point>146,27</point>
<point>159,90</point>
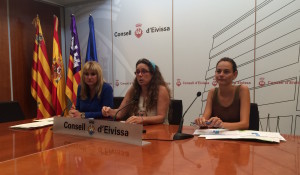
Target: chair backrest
<point>175,112</point>
<point>117,101</point>
<point>254,117</point>
<point>10,111</point>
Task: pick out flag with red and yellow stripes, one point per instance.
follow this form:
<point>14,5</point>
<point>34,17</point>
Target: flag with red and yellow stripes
<point>74,68</point>
<point>41,75</point>
<point>44,141</point>
<point>58,74</point>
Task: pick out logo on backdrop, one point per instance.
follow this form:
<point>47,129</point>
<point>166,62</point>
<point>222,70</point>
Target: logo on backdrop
<point>157,29</point>
<point>261,82</point>
<point>214,83</point>
<point>178,83</point>
<point>120,83</point>
<point>138,32</point>
<point>183,82</point>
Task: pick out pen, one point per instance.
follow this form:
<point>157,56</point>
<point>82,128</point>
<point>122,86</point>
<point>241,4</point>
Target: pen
<point>208,123</point>
<point>194,124</point>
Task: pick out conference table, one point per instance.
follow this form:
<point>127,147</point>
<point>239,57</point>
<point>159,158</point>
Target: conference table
<point>40,151</point>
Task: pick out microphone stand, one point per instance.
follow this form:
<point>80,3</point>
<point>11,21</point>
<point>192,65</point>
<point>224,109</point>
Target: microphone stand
<point>131,102</point>
<point>179,135</point>
<point>68,106</point>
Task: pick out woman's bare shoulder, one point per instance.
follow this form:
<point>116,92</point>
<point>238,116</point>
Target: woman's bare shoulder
<point>211,91</point>
<point>162,89</point>
<point>244,88</point>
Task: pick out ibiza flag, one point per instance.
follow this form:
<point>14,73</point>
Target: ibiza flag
<point>91,51</point>
<point>74,68</point>
<point>58,74</point>
<point>41,75</point>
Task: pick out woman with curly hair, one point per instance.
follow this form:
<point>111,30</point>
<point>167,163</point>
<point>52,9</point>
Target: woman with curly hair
<point>151,93</point>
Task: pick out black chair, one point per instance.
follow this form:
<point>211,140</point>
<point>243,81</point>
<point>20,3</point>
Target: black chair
<point>254,117</point>
<point>175,112</point>
<point>10,111</point>
<point>117,101</point>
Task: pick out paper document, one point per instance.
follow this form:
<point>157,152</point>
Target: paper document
<point>50,119</point>
<point>36,124</point>
<point>209,131</point>
<point>239,134</point>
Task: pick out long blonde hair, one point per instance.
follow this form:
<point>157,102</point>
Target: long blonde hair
<point>95,67</point>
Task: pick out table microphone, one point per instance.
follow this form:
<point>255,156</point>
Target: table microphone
<point>179,135</point>
<point>68,106</point>
<point>134,99</point>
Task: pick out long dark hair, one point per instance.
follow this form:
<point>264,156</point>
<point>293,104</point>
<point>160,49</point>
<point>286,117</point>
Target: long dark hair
<point>153,88</point>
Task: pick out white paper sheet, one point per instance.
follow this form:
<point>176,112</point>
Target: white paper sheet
<point>239,134</point>
<point>36,124</point>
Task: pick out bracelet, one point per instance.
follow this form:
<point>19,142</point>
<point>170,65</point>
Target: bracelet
<point>82,115</point>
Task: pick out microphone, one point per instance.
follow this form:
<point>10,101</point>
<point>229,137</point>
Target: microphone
<point>179,135</point>
<point>68,106</point>
<point>134,99</point>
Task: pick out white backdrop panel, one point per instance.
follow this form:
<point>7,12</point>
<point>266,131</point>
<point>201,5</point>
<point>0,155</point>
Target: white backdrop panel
<point>195,24</point>
<point>152,21</point>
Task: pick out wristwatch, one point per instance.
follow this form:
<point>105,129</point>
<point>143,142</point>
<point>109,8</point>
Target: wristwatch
<point>82,115</point>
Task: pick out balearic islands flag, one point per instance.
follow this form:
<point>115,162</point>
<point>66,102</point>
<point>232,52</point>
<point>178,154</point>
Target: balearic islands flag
<point>41,75</point>
<point>74,68</point>
<point>58,74</point>
<point>91,51</point>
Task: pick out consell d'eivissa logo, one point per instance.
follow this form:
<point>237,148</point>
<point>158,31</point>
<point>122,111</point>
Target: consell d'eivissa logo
<point>138,31</point>
<point>180,82</point>
<point>105,129</point>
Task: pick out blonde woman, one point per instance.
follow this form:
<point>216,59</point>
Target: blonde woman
<point>93,93</point>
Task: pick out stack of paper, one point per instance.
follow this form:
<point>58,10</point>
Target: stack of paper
<point>35,124</point>
<point>243,134</point>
